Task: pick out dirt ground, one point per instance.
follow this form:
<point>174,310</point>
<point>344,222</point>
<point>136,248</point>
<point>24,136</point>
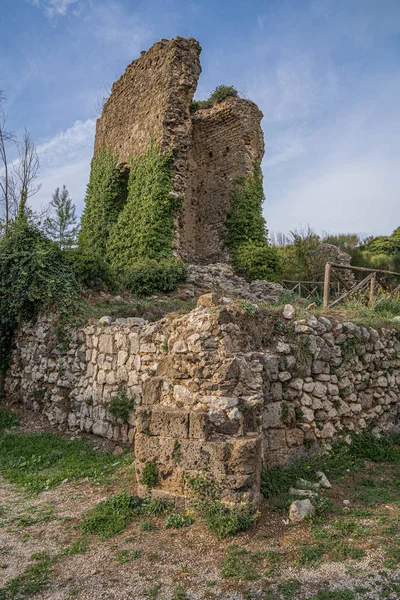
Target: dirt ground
<point>188,563</point>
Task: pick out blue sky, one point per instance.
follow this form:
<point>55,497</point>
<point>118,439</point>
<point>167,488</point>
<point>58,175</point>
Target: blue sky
<point>325,73</point>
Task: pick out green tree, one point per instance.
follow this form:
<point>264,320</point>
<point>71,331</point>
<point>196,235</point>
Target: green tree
<point>62,226</point>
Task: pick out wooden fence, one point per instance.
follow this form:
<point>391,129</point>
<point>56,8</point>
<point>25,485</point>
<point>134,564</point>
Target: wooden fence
<point>374,280</point>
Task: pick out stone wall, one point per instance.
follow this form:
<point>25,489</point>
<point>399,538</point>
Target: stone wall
<point>211,147</point>
<point>227,140</point>
<point>151,102</point>
<point>222,389</point>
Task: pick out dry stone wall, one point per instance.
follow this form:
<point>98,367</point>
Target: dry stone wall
<point>223,389</point>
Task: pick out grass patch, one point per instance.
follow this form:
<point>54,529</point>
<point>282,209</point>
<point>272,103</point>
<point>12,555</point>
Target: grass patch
<point>41,461</point>
<point>241,564</point>
<point>29,583</point>
<point>7,419</point>
<point>112,516</point>
<point>149,309</point>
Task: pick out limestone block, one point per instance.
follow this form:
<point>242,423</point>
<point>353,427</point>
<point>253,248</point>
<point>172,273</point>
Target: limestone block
<point>199,425</point>
<point>272,415</point>
<point>245,456</point>
<point>300,510</point>
<point>169,422</point>
<point>276,439</point>
<point>294,437</point>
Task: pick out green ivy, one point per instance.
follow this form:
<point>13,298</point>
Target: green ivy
<point>33,274</point>
<point>145,227</point>
<point>246,234</point>
<point>105,199</point>
<point>150,276</point>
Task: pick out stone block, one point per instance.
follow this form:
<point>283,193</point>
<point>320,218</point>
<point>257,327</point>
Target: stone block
<point>169,422</point>
<point>152,388</point>
<point>245,456</point>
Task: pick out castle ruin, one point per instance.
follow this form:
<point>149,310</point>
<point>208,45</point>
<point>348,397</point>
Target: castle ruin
<point>212,147</point>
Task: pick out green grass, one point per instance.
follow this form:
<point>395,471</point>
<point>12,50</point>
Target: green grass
<point>112,516</point>
<point>241,564</point>
<point>41,461</point>
<point>29,582</point>
<point>334,595</point>
<point>7,419</point>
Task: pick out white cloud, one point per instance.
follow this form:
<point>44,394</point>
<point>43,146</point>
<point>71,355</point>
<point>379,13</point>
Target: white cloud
<point>65,159</point>
<point>54,8</point>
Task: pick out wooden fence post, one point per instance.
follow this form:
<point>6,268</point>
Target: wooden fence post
<point>327,283</point>
<point>372,289</point>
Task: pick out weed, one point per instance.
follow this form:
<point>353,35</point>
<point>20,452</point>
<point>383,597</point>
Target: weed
<point>121,405</point>
<point>176,521</point>
<point>124,556</point>
<point>150,474</point>
<point>288,589</point>
<point>147,526</point>
<point>7,419</point>
<point>80,546</point>
<point>179,593</point>
<point>240,564</point>
<point>152,592</point>
<point>221,519</point>
<point>158,506</point>
<point>334,595</point>
<point>251,309</point>
<point>112,516</point>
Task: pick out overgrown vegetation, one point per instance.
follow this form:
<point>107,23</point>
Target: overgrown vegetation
<point>220,93</point>
<point>148,276</point>
<point>145,227</point>
<point>121,405</point>
<point>29,582</point>
<point>105,198</point>
<point>150,474</point>
<point>246,235</point>
<point>223,520</point>
<point>33,274</point>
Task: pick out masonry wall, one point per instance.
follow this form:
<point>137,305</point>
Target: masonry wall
<point>226,141</point>
<point>216,390</point>
<point>151,102</point>
<point>211,147</point>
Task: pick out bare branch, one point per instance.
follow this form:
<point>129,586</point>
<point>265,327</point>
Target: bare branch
<point>26,170</point>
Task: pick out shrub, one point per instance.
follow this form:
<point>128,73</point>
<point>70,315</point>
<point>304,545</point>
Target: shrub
<point>7,419</point>
<point>150,474</point>
<point>148,276</point>
<point>111,516</point>
<point>121,405</point>
<point>258,260</point>
<point>105,198</point>
<point>145,227</point>
<point>220,93</point>
<point>92,270</point>
<point>33,274</point>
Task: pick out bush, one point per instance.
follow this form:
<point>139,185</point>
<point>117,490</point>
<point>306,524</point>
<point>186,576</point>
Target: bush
<point>34,273</point>
<point>220,93</point>
<point>258,260</point>
<point>92,270</point>
<point>149,276</point>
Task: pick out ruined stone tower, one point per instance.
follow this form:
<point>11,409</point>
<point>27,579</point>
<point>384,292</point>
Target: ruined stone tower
<point>212,147</point>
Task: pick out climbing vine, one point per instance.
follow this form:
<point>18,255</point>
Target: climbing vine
<point>105,198</point>
<point>246,234</point>
<point>145,226</point>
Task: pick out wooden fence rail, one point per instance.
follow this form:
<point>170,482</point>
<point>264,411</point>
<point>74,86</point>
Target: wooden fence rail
<point>373,280</point>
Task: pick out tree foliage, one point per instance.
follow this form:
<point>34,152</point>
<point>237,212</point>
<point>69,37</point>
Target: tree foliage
<point>62,226</point>
<point>145,226</point>
<point>105,198</point>
<point>33,274</point>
